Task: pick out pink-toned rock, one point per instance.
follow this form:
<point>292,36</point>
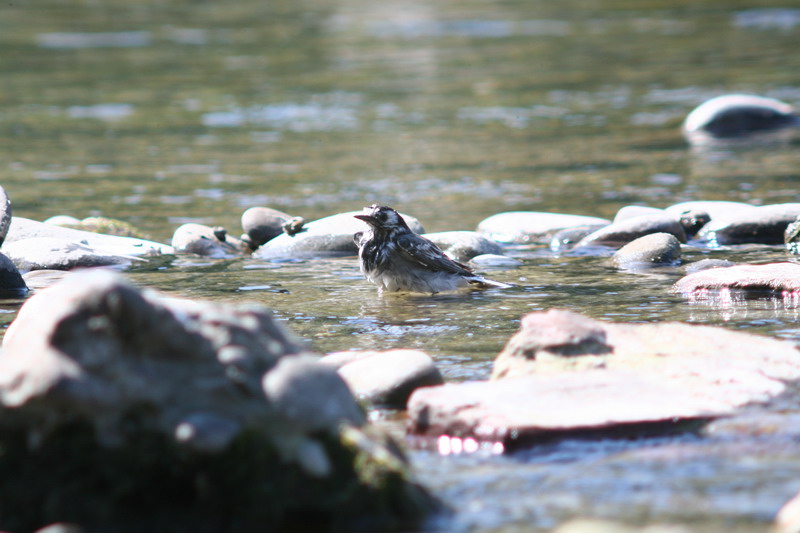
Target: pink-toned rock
<point>565,374</point>
<point>773,279</point>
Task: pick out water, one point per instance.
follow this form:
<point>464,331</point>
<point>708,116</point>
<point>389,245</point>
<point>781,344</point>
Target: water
<point>161,113</point>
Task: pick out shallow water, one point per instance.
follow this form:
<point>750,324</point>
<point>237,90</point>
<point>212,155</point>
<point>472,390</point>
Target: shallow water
<point>161,113</point>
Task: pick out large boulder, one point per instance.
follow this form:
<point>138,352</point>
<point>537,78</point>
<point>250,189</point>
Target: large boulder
<point>564,374</point>
<point>532,227</point>
<point>152,413</point>
<point>327,237</point>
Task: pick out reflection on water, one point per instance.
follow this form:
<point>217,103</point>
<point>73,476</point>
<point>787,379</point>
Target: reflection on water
<point>162,113</point>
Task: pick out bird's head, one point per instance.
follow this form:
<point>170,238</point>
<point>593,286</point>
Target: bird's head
<point>383,218</point>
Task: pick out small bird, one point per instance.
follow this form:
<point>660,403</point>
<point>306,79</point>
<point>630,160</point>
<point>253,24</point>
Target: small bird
<point>396,259</point>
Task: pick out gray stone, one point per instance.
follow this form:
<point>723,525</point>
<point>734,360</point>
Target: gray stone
<point>714,208</point>
<point>23,228</point>
<point>621,233</point>
<point>464,245</point>
<point>262,224</point>
<point>327,237</point>
<point>494,261</point>
<point>206,241</point>
<point>100,378</point>
<point>773,279</point>
<point>565,375</point>
<point>532,227</point>
<point>632,211</point>
<point>46,253</point>
<point>758,225</point>
<point>566,239</point>
<point>12,283</point>
<point>386,379</point>
<point>656,249</point>
<point>737,117</point>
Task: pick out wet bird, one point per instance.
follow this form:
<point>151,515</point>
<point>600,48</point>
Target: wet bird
<point>396,259</point>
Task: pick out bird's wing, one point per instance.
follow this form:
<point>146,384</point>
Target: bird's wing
<point>423,252</point>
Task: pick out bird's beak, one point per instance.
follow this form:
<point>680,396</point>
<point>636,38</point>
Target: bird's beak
<point>366,218</point>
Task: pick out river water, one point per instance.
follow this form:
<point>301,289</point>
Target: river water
<point>161,113</point>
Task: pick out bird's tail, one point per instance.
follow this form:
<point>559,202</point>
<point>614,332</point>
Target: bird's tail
<point>485,283</point>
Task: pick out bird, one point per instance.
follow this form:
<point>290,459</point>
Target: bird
<point>398,260</point>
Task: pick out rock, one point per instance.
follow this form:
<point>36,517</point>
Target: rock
<point>206,241</point>
<point>494,261</point>
<point>104,225</point>
<point>11,282</point>
<point>262,224</point>
<point>621,233</point>
<point>386,379</point>
<point>788,517</point>
<point>566,239</point>
<point>713,208</point>
<point>565,375</point>
<point>128,411</point>
<point>735,117</point>
<point>769,280</point>
<point>791,237</point>
<point>633,211</point>
<point>757,225</point>
<point>464,245</point>
<point>23,228</point>
<point>46,253</point>
<point>5,215</point>
<point>656,249</point>
<point>327,237</point>
<point>705,264</point>
<point>532,227</point>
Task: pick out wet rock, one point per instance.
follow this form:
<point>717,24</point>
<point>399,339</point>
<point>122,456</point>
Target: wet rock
<point>621,233</point>
<point>705,264</point>
<point>206,241</point>
<point>739,117</point>
<point>773,279</point>
<point>464,245</point>
<point>11,282</point>
<point>5,215</point>
<point>23,228</point>
<point>388,378</point>
<point>656,249</point>
<point>262,224</point>
<point>327,237</point>
<point>566,239</point>
<point>566,375</point>
<point>125,387</point>
<point>712,208</point>
<point>532,227</point>
<point>757,225</point>
<point>46,253</point>
<point>791,237</point>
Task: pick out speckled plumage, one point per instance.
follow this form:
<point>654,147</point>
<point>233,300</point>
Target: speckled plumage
<point>396,259</point>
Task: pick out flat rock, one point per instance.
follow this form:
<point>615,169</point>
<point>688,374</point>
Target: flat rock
<point>773,279</point>
<point>327,237</point>
<point>758,225</point>
<point>532,227</point>
<point>618,234</point>
<point>388,378</point>
<point>464,245</point>
<point>206,241</point>
<point>733,117</point>
<point>656,249</point>
<point>564,374</point>
<point>23,228</point>
<point>47,253</point>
